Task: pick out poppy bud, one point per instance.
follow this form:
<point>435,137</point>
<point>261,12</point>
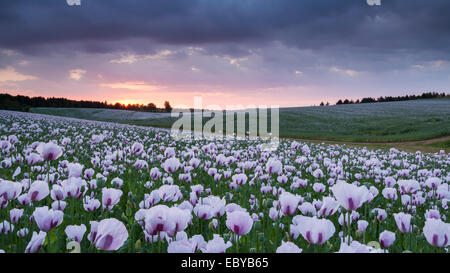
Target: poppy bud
<point>138,245</point>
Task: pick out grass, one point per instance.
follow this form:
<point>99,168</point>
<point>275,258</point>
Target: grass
<point>373,122</point>
<point>442,144</point>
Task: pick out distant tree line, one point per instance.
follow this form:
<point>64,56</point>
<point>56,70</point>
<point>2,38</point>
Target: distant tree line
<point>24,103</point>
<point>426,95</point>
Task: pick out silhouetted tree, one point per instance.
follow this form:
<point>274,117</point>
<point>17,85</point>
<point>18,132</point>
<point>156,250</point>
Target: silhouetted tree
<point>167,107</point>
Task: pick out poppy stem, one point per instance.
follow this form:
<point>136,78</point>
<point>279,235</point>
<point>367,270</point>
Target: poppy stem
<point>349,227</point>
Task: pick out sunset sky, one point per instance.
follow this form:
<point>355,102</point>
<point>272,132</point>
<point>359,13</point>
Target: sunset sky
<point>248,52</point>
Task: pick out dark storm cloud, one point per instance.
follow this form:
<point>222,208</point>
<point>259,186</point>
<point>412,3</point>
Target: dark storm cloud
<point>227,26</point>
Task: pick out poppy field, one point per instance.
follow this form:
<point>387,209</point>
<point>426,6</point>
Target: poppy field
<point>69,185</point>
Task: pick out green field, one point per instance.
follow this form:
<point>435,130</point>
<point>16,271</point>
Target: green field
<point>372,122</point>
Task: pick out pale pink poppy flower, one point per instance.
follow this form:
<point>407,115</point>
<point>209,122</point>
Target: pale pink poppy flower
<point>181,246</point>
<point>443,191</point>
<point>5,145</point>
<point>329,207</point>
<point>216,245</point>
<point>110,197</point>
<point>137,148</point>
<point>432,213</point>
<point>274,214</point>
<point>150,199</point>
<point>47,219</point>
<point>307,209</point>
<point>93,184</point>
<point>288,203</point>
<point>380,214</point>
<point>437,232</point>
<point>374,191</point>
<point>38,190</point>
<point>408,186</point>
<point>169,152</point>
<point>217,205</point>
<point>288,247</point>
<point>172,165</point>
<point>350,196</point>
<point>91,204</point>
<point>319,187</point>
<point>23,199</point>
<point>89,173</point>
<point>306,150</point>
<point>10,190</point>
<point>282,179</point>
<point>403,221</point>
<point>239,179</point>
<point>194,162</point>
<point>389,193</point>
<point>354,215</point>
<point>406,200</point>
<point>72,187</point>
<point>111,234</point>
<point>75,233</point>
<point>355,247</point>
<point>117,182</point>
<point>318,173</point>
<point>217,177</point>
<point>33,158</point>
<point>233,207</point>
<point>49,151</point>
<point>387,238</point>
<point>155,173</point>
<point>433,182</point>
<point>214,224</point>
<point>197,242</point>
<point>314,230</point>
<point>203,211</point>
<point>180,218</point>
<point>59,205</point>
<point>6,227</point>
<point>97,138</point>
<point>157,220</point>
<point>57,193</point>
<point>239,222</point>
<point>36,242</point>
<point>170,193</point>
<point>65,141</point>
<point>22,232</point>
<point>93,233</point>
<point>362,225</point>
<point>274,166</point>
<point>15,215</point>
<point>140,164</point>
<point>75,169</point>
<point>139,216</point>
<point>197,189</point>
<point>389,181</point>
